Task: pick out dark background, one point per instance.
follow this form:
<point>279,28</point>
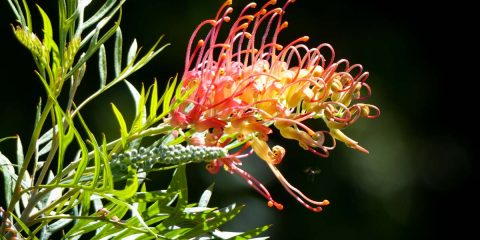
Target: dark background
<point>418,180</point>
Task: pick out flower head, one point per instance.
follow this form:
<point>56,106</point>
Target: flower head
<point>248,83</point>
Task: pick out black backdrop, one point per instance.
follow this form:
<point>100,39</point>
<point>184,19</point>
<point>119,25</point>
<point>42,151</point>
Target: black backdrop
<point>418,180</point>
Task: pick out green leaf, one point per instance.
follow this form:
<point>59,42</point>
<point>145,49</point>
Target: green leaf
<point>142,206</point>
<point>100,13</point>
<point>102,65</point>
<point>48,41</point>
<point>132,52</point>
<point>117,54</point>
<point>145,197</point>
<point>130,187</point>
<point>253,233</point>
<point>215,220</point>
<point>64,138</point>
<point>20,156</point>
<point>140,110</point>
<point>168,95</point>
<point>22,225</point>
<point>94,44</point>
<point>137,97</point>
<point>17,11</point>
<point>153,101</point>
<point>179,184</point>
<point>205,198</point>
<point>9,176</point>
<point>84,160</point>
<point>123,125</point>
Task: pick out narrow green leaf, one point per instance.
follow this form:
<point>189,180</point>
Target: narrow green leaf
<point>83,163</point>
<point>28,15</point>
<point>169,95</point>
<point>48,41</point>
<point>141,114</point>
<point>132,52</point>
<point>135,213</point>
<point>153,101</point>
<point>17,12</point>
<point>130,187</point>
<point>54,227</point>
<point>9,176</point>
<point>209,224</point>
<point>22,225</point>
<point>100,13</point>
<point>137,97</point>
<point>94,45</point>
<point>122,124</point>
<point>205,198</point>
<point>117,54</point>
<point>253,233</point>
<point>6,138</point>
<point>142,206</point>
<point>179,183</point>
<point>143,196</point>
<point>39,112</point>
<point>102,65</point>
<point>64,138</point>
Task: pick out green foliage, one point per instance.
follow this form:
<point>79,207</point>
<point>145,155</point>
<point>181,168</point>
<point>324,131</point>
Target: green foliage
<point>98,191</point>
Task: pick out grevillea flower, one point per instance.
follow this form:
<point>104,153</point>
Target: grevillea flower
<point>248,83</point>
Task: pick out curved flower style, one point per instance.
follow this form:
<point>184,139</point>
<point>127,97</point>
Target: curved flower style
<point>248,82</point>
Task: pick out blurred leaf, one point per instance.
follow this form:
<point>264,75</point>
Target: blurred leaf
<point>22,225</point>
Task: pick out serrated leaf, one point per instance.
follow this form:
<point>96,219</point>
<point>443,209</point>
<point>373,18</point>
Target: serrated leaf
<point>102,65</point>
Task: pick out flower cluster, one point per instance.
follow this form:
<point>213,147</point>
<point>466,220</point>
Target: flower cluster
<point>246,83</point>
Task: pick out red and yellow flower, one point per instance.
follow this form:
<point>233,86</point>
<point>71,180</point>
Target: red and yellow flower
<point>248,83</point>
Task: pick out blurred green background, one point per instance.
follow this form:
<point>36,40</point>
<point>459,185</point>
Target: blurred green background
<point>418,180</point>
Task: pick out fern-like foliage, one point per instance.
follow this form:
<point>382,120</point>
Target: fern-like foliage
<point>99,194</point>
